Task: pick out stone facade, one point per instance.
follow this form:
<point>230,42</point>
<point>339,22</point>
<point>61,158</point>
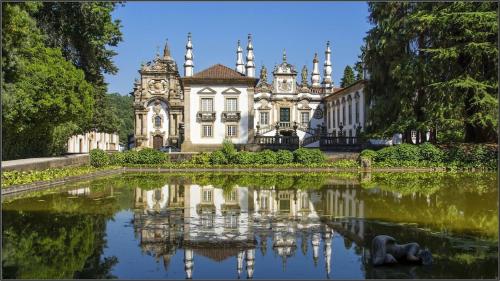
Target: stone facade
<point>158,103</point>
<point>218,103</point>
<point>93,140</point>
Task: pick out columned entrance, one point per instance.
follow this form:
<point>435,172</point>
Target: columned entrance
<point>157,142</point>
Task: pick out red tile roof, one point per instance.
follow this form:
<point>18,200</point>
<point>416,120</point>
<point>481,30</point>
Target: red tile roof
<point>219,71</point>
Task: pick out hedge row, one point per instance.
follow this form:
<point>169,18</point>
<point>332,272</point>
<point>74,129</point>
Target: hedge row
<point>229,155</point>
<point>99,158</point>
<point>457,155</point>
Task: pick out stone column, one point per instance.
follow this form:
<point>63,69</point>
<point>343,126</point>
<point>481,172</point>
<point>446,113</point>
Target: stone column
<point>137,126</point>
<point>186,145</point>
<point>171,125</point>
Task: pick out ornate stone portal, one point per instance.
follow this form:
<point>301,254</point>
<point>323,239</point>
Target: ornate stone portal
<point>158,103</point>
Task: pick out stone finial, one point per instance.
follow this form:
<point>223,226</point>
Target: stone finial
<point>240,65</point>
<point>166,51</point>
<point>188,58</point>
<point>315,77</point>
<point>327,72</point>
<point>250,65</point>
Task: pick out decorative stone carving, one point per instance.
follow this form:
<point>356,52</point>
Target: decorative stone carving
<point>157,106</point>
<point>157,86</point>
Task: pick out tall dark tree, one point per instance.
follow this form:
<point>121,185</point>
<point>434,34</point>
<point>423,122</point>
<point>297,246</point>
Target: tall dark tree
<point>40,91</point>
<point>433,66</point>
<point>348,77</point>
<point>85,31</point>
<point>358,67</point>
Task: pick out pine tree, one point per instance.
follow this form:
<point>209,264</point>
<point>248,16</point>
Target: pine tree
<point>348,77</point>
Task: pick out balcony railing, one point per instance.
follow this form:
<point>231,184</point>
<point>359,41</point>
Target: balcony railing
<point>205,116</point>
<point>231,116</point>
<point>328,140</point>
<point>277,142</point>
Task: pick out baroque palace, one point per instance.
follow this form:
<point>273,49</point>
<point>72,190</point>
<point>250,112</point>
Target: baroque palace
<point>197,111</point>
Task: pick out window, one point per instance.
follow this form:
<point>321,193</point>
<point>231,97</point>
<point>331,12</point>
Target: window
<point>207,104</point>
<point>232,197</point>
<point>333,116</point>
<point>328,119</point>
<point>304,118</point>
<point>264,118</point>
<point>357,110</point>
<point>207,131</point>
<point>338,114</point>
<point>343,114</point>
<point>157,122</point>
<point>350,112</point>
<point>232,104</point>
<point>231,131</point>
<point>207,196</point>
<point>285,114</point>
<point>264,204</point>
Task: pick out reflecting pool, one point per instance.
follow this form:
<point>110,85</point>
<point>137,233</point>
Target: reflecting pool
<point>251,225</point>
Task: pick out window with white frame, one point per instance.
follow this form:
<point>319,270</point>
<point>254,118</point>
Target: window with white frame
<point>207,131</point>
<point>264,118</point>
<point>304,118</point>
<point>207,104</point>
<point>207,195</point>
<point>231,104</point>
<point>232,131</point>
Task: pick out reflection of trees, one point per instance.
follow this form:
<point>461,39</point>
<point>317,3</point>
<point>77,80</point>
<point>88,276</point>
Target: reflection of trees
<point>33,250</point>
<point>58,237</point>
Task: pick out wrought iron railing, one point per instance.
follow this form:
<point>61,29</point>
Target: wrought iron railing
<point>231,116</point>
<point>203,116</point>
<point>329,140</point>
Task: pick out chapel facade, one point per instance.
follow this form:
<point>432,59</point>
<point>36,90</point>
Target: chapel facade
<point>198,111</point>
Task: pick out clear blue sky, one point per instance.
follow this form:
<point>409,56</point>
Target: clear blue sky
<point>302,28</point>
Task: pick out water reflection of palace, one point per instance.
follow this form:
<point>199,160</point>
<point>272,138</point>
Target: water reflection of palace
<point>222,223</point>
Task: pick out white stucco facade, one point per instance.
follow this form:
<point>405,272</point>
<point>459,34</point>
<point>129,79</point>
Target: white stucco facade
<point>346,108</point>
<point>218,95</point>
<point>92,140</point>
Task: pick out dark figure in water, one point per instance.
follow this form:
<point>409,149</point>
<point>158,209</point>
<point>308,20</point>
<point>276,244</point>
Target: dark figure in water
<point>385,250</point>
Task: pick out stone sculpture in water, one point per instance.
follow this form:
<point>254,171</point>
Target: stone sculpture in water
<point>385,250</point>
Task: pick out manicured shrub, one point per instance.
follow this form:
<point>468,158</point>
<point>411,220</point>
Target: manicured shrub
<point>229,151</point>
<point>130,157</point>
<point>308,156</point>
<point>117,158</point>
<point>431,153</point>
<point>99,158</point>
<point>245,157</point>
<point>284,157</point>
<point>368,153</point>
<point>218,158</point>
<point>151,156</point>
<point>265,157</point>
<point>398,154</point>
<point>202,158</point>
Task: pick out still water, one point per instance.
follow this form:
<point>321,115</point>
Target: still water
<point>237,225</point>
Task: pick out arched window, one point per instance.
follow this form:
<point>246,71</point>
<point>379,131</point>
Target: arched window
<point>157,121</point>
<point>350,111</point>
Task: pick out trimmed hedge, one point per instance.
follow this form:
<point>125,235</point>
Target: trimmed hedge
<point>284,157</point>
<point>99,158</point>
<point>428,155</point>
<point>308,156</point>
